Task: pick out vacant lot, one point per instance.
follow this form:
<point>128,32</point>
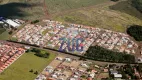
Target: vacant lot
<point>102,75</point>
<point>20,69</point>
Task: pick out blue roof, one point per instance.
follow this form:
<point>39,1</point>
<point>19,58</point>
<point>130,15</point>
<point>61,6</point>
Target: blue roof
<point>2,18</point>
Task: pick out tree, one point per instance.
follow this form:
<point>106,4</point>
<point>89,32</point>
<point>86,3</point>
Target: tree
<point>36,73</point>
<point>40,53</point>
<point>83,76</point>
<point>36,21</point>
<point>130,71</point>
<point>28,50</point>
<point>137,4</point>
<point>35,50</point>
<point>102,54</point>
<point>139,68</point>
<point>31,70</point>
<point>10,32</point>
<point>135,31</point>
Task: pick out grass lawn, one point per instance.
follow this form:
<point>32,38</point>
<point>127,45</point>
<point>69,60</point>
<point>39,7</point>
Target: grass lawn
<point>4,36</point>
<point>2,30</point>
<point>19,70</point>
<point>44,32</point>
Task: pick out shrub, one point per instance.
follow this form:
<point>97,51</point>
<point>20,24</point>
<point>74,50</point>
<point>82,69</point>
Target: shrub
<point>36,21</point>
<point>36,73</point>
<point>31,70</point>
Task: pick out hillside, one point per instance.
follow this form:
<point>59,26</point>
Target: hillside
<point>137,4</point>
<point>106,14</point>
<point>115,16</point>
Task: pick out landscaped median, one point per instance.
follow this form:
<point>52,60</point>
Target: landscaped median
<point>20,69</point>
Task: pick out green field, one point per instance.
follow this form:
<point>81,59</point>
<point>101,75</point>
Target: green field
<point>19,70</point>
<point>55,6</point>
<point>44,32</point>
<point>113,16</point>
<point>4,36</point>
<point>2,30</point>
<point>105,14</point>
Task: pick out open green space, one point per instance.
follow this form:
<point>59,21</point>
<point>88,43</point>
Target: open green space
<point>45,31</point>
<point>55,6</point>
<point>19,70</point>
<point>106,14</point>
<point>2,30</point>
<point>4,36</point>
<point>115,16</point>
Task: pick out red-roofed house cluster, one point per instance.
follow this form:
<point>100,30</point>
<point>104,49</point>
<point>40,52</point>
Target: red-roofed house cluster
<point>9,52</point>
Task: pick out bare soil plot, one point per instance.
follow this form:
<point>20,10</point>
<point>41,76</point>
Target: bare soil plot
<point>54,63</point>
<point>74,64</point>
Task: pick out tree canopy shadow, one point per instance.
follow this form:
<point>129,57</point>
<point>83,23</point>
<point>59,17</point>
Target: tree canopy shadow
<point>12,10</point>
<point>126,7</point>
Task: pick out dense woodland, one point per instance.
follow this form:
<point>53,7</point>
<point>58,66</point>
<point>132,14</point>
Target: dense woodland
<point>136,32</point>
<point>102,54</point>
<point>137,4</point>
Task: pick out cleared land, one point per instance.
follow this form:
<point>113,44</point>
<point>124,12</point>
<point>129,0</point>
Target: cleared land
<point>102,75</point>
<point>23,65</point>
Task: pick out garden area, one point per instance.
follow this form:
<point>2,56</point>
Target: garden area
<point>26,67</point>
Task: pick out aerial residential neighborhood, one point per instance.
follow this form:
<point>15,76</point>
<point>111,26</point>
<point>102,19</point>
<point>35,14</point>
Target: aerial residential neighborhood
<point>70,40</point>
<point>50,34</point>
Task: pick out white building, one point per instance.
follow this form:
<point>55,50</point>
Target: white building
<point>117,76</point>
<point>12,23</point>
